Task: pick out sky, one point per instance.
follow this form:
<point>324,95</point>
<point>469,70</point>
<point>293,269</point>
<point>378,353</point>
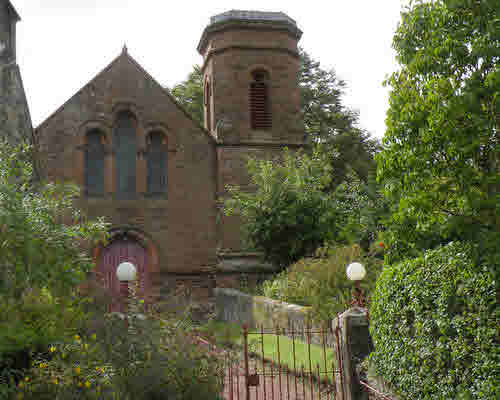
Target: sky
<point>63,44</point>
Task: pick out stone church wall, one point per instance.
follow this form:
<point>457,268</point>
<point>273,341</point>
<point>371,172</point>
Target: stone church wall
<point>181,225</point>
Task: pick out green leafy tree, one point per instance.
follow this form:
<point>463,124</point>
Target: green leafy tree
<point>361,209</point>
<point>289,214</point>
<point>441,156</point>
<point>435,307</point>
<point>42,238</point>
<point>41,232</point>
<point>189,94</point>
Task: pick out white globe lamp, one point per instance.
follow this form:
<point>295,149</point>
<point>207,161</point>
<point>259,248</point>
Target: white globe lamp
<point>356,271</point>
<point>126,271</point>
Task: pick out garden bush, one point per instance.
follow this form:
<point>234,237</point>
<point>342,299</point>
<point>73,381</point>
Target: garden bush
<point>142,356</point>
<point>434,322</point>
<point>321,282</point>
<point>28,326</point>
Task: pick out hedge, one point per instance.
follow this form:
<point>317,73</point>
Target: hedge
<point>434,322</point>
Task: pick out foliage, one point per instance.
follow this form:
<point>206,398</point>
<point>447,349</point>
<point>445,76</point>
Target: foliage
<point>289,214</point>
<point>41,236</point>
<point>144,357</point>
<point>361,209</point>
<point>435,325</point>
<point>189,94</point>
<point>441,157</point>
<point>42,233</point>
<point>37,320</point>
<point>321,92</point>
<point>322,282</point>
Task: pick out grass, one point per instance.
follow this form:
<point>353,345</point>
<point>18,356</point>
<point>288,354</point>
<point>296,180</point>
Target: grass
<point>226,334</point>
<point>302,351</point>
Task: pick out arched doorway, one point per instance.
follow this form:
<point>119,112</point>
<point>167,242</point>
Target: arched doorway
<point>121,249</point>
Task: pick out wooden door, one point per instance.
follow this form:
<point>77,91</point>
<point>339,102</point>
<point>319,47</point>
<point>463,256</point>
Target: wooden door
<point>119,251</point>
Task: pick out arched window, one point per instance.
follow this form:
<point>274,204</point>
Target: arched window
<point>260,107</point>
<point>157,163</point>
<point>94,163</point>
<point>125,141</point>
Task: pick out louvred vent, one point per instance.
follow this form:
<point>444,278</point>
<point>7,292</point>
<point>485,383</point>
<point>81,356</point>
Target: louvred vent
<point>260,114</point>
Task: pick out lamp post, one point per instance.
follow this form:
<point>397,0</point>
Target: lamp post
<point>356,272</point>
<point>125,273</point>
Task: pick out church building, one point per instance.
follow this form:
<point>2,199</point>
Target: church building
<point>150,169</point>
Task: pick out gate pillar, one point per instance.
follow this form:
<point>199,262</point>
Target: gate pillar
<point>353,346</point>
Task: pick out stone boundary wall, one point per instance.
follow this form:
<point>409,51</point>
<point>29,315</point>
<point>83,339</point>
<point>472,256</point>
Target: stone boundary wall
<point>256,311</point>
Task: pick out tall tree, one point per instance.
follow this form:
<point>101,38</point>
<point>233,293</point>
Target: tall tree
<point>441,158</point>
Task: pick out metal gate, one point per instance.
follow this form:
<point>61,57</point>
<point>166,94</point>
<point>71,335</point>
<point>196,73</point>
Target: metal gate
<point>285,364</point>
<point>121,250</point>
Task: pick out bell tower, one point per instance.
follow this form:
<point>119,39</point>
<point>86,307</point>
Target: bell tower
<point>8,20</point>
<point>250,73</point>
<point>251,103</point>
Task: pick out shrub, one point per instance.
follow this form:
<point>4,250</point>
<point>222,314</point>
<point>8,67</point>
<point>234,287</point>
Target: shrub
<point>42,233</point>
<point>27,328</point>
<point>322,282</point>
<point>144,357</point>
<point>289,214</point>
<point>434,322</point>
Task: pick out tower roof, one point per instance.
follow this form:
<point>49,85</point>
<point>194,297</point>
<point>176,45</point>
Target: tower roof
<point>249,20</point>
<point>12,10</point>
<point>243,15</point>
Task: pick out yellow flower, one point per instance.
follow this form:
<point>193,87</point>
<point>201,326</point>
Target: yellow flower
<point>87,384</point>
<point>54,381</point>
<point>76,337</point>
<point>43,365</point>
<point>27,379</point>
<point>52,349</point>
<point>21,385</point>
<point>77,370</point>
